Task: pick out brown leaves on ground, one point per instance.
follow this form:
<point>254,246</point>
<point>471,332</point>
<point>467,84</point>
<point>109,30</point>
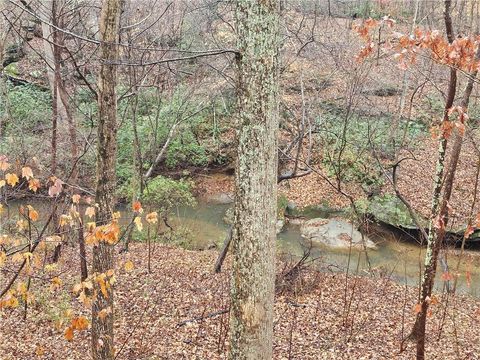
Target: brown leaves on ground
<point>151,309</point>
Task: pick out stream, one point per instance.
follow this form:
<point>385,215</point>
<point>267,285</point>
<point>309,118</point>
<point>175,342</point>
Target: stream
<point>395,257</point>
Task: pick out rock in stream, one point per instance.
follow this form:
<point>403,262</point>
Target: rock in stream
<point>335,233</point>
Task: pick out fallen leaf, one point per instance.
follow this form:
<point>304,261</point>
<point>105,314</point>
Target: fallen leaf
<point>128,266</point>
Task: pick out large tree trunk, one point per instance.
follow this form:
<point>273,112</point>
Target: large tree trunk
<point>103,254</point>
<point>253,237</point>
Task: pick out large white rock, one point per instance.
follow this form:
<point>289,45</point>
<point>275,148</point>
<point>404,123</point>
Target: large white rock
<point>336,233</point>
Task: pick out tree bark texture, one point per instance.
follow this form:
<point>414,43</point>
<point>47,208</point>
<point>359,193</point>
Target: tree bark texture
<point>253,233</point>
<point>53,42</point>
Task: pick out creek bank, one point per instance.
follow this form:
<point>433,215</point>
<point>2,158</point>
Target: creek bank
<point>388,211</point>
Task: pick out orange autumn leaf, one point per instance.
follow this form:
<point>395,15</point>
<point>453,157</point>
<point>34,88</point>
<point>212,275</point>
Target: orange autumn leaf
<point>417,308</point>
<point>79,323</point>
<point>39,351</point>
<point>446,276</point>
<point>33,184</point>
<point>434,300</point>
<point>32,213</point>
<point>468,275</point>
<point>68,334</point>
<point>76,198</point>
<point>137,207</point>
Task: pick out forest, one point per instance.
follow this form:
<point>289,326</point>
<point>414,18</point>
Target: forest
<point>239,179</point>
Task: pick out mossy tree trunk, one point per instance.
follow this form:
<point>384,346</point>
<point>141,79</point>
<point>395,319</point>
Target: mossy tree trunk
<point>103,254</point>
<point>253,235</point>
<point>436,231</point>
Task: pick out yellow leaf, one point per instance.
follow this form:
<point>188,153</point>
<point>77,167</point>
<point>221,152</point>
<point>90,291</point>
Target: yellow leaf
<point>12,179</point>
<point>27,172</point>
<point>76,198</point>
<point>4,239</point>
<point>22,225</point>
<point>28,257</point>
<point>13,302</point>
<point>65,220</point>
<point>21,288</point>
<point>68,333</point>
<point>68,313</point>
<point>74,213</point>
<point>152,218</point>
<point>138,223</point>
<point>56,283</point>
<point>2,183</point>
<point>112,280</point>
<point>129,266</point>
<point>3,258</point>
<point>88,285</point>
<point>9,301</point>
<point>40,351</point>
<point>90,212</point>
<point>102,314</point>
<point>84,299</point>
<point>103,285</point>
<point>77,288</point>
<point>91,226</point>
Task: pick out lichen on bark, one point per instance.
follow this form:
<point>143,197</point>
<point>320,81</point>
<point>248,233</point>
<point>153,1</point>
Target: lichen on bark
<point>254,231</point>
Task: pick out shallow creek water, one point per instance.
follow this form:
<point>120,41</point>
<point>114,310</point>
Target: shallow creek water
<point>395,257</point>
